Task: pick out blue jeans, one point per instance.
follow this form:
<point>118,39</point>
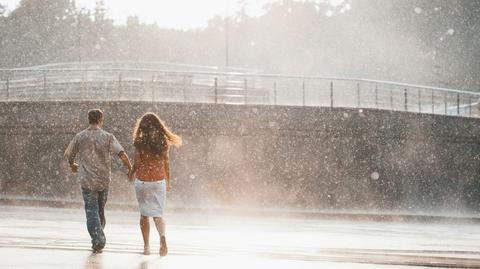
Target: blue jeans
<point>95,210</point>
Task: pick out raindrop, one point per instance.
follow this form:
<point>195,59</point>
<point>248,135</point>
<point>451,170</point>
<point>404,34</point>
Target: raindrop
<point>272,124</point>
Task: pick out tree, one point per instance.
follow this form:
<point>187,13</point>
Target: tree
<point>2,25</point>
<point>432,42</point>
<point>103,44</point>
<point>37,32</point>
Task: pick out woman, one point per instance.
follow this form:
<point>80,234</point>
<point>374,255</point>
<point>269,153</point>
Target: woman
<point>151,141</point>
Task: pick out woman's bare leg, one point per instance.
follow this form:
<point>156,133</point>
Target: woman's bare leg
<point>145,228</point>
<point>160,224</point>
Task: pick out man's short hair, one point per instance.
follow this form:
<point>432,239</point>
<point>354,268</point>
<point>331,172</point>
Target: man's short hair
<point>95,116</point>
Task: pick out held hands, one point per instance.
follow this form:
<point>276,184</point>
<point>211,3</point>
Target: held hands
<point>131,174</point>
<point>74,167</point>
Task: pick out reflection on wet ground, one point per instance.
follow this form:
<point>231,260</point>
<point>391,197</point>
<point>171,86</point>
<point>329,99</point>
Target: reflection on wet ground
<point>57,238</point>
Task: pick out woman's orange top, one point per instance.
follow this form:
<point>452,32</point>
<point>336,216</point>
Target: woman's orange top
<point>150,167</point>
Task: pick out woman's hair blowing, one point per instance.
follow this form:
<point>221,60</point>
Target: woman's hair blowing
<point>151,135</point>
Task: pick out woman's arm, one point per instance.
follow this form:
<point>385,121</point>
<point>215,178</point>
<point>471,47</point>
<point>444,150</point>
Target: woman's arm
<point>166,165</point>
<point>136,160</point>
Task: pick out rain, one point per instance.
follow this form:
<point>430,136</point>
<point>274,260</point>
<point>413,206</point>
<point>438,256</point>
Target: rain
<point>295,133</point>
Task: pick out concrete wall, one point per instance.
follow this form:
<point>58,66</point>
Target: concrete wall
<point>264,156</point>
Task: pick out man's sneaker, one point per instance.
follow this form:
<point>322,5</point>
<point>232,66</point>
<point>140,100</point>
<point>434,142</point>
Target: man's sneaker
<point>98,248</point>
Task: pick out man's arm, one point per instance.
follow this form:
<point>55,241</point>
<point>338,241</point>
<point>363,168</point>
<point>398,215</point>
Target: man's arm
<point>118,149</point>
<point>126,162</point>
<point>70,154</point>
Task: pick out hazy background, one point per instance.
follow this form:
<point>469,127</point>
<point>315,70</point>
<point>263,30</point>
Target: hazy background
<point>433,42</point>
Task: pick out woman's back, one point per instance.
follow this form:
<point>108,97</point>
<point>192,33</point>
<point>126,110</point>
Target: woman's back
<point>151,140</point>
<point>150,166</point>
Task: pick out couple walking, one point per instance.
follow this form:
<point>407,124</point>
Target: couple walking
<point>90,155</point>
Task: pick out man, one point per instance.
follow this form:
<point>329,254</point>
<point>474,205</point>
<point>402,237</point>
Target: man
<point>94,149</point>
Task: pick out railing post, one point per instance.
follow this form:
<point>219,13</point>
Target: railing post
<point>303,92</point>
<point>445,102</point>
<point>45,85</point>
<point>84,87</point>
<point>391,99</point>
<point>358,95</point>
<point>433,102</point>
<point>406,99</point>
<point>8,87</point>
<point>275,92</point>
<point>419,101</point>
<point>246,90</point>
<point>376,96</point>
<point>458,104</point>
<point>184,88</point>
<point>215,87</point>
<point>331,93</point>
<point>470,106</point>
<point>153,88</point>
<point>119,85</point>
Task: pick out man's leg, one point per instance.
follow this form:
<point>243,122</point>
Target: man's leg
<point>94,225</point>
<point>102,201</point>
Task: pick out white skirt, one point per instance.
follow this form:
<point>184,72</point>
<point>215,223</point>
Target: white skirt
<point>151,197</point>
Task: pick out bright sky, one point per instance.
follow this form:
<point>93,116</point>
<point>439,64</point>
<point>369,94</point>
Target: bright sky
<point>180,14</point>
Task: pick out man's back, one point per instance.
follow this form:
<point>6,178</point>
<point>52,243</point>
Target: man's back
<point>94,149</point>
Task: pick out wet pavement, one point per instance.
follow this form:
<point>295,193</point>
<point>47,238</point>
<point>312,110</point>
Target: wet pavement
<point>40,237</point>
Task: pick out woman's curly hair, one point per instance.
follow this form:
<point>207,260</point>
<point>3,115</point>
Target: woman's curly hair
<point>152,136</point>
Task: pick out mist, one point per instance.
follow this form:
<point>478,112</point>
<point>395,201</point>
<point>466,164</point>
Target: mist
<point>329,133</point>
<point>423,42</point>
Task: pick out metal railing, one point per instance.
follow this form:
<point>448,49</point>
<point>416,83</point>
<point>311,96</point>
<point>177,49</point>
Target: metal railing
<point>151,84</point>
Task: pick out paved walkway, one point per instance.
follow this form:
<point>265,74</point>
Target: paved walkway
<point>39,237</point>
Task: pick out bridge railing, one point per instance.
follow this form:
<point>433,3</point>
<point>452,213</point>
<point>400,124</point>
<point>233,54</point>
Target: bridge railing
<point>142,84</point>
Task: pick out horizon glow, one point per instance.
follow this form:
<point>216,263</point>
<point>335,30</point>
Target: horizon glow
<point>175,14</point>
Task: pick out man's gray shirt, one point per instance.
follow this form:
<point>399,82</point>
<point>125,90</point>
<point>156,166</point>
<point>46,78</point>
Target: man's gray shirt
<point>94,149</point>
